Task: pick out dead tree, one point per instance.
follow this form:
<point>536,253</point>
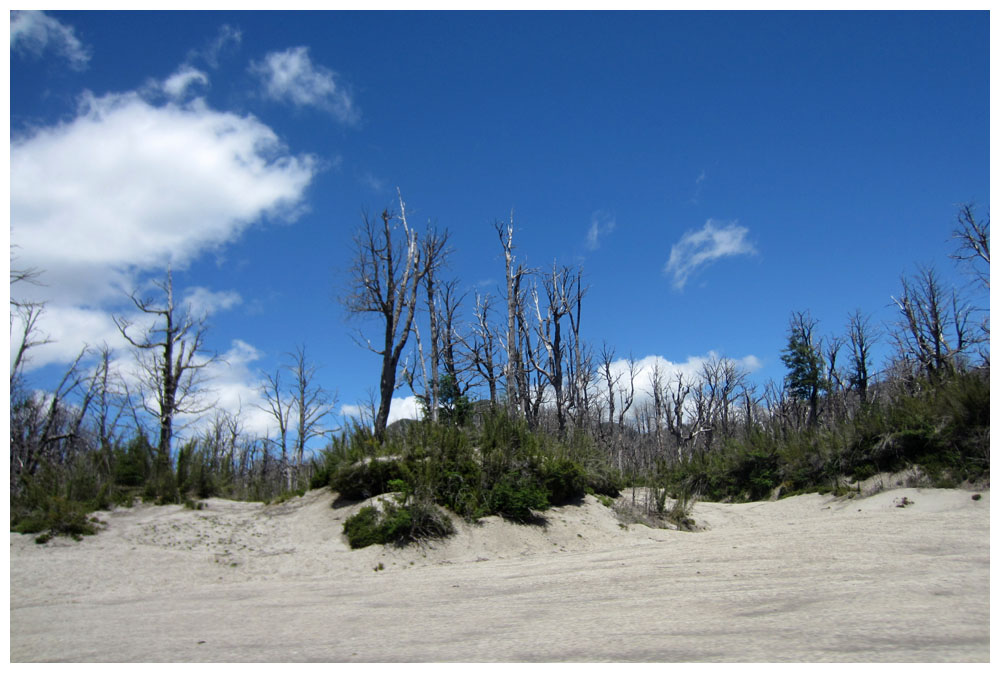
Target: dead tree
<point>484,350</point>
<point>515,377</point>
<point>109,404</point>
<point>387,271</point>
<point>27,314</point>
<point>973,238</point>
<point>311,402</point>
<point>434,256</point>
<point>279,407</point>
<point>933,328</point>
<point>451,339</point>
<point>172,358</point>
<point>581,368</point>
<point>973,253</point>
<point>549,336</point>
<point>627,395</point>
<point>611,378</point>
<point>43,428</point>
<point>861,339</point>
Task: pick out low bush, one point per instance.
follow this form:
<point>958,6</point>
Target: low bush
<point>564,480</point>
<point>57,516</point>
<point>399,524</point>
<point>514,497</point>
<point>368,478</point>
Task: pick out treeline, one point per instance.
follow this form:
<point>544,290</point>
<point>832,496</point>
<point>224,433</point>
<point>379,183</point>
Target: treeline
<point>517,370</point>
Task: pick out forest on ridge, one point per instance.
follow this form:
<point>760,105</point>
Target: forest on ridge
<point>520,411</point>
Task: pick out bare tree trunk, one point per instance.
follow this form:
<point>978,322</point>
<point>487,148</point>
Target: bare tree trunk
<point>385,277</point>
<point>176,357</point>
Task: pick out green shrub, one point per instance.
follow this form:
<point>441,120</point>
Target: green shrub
<point>367,479</point>
<point>564,480</point>
<point>134,463</point>
<point>603,480</point>
<point>57,516</point>
<point>398,524</point>
<point>362,529</point>
<point>515,495</point>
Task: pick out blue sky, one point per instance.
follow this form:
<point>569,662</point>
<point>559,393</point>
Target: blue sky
<point>711,172</point>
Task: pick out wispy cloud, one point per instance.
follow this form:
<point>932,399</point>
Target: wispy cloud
<point>228,39</point>
<point>602,223</point>
<point>371,182</point>
<point>290,76</point>
<point>203,302</point>
<point>699,181</point>
<point>177,85</point>
<point>699,248</point>
<point>35,32</point>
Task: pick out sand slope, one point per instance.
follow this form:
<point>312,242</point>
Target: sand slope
<point>808,578</point>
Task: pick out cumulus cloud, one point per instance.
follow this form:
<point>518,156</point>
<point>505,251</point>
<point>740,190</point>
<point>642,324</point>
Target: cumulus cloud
<point>234,386</point>
<point>290,76</point>
<point>645,367</point>
<point>127,184</point>
<point>229,383</point>
<point>400,408</point>
<point>602,223</point>
<point>34,33</point>
<point>127,187</point>
<point>67,329</point>
<point>699,248</point>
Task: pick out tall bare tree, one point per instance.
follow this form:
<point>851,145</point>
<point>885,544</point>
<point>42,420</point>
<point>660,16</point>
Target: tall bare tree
<point>311,402</point>
<point>389,265</point>
<point>515,376</point>
<point>279,407</point>
<point>484,350</point>
<point>934,327</point>
<point>549,331</point>
<point>172,358</point>
<point>861,336</point>
<point>973,238</point>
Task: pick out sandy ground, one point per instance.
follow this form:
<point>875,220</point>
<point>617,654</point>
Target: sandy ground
<point>807,578</point>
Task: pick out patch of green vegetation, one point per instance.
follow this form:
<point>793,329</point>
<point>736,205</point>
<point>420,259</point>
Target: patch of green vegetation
<point>605,500</point>
<point>943,429</point>
<point>57,516</point>
<point>399,524</point>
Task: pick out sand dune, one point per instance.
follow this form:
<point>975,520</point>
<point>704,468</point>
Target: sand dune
<point>807,578</point>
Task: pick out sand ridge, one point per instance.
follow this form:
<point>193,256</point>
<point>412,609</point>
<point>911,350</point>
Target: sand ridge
<point>806,578</point>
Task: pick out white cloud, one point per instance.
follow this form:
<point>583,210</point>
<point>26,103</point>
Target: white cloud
<point>127,184</point>
<point>229,383</point>
<point>290,76</point>
<point>128,187</point>
<point>177,85</point>
<point>234,384</point>
<point>644,368</point>
<point>34,32</point>
<point>698,248</point>
<point>227,39</point>
<point>405,407</point>
<point>68,329</point>
<point>202,302</point>
<point>602,223</point>
<point>400,408</point>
